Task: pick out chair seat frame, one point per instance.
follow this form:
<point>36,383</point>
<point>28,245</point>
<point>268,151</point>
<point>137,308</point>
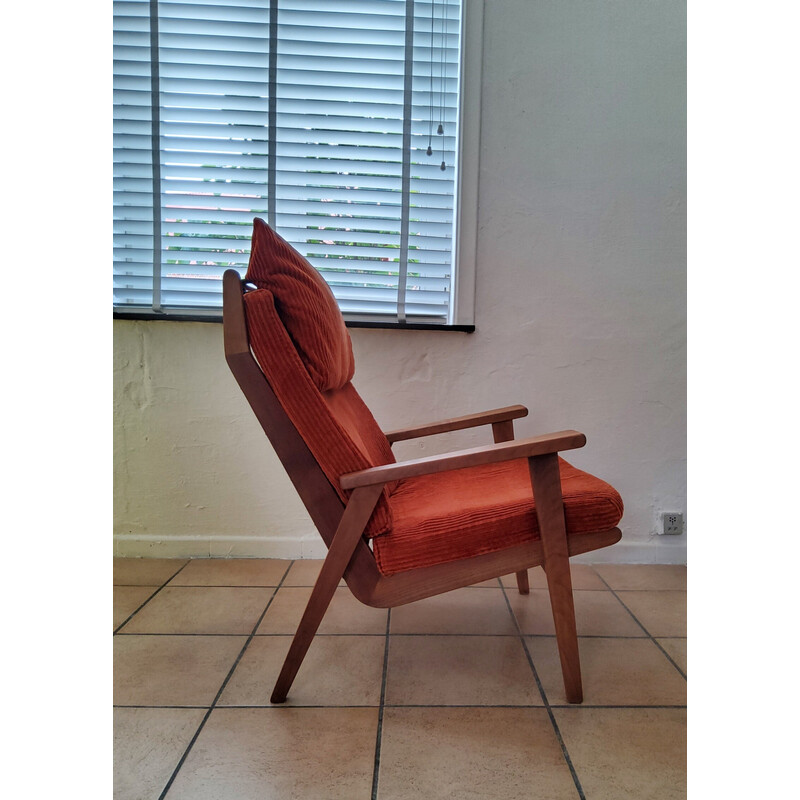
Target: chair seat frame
<point>341,525</point>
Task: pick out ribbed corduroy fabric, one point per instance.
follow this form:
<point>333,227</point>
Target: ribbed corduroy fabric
<point>338,428</point>
<point>306,306</point>
<point>454,515</point>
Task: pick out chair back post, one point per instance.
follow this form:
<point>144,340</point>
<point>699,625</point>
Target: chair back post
<point>320,499</point>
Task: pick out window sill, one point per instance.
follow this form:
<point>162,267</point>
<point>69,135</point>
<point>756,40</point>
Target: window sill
<point>190,317</point>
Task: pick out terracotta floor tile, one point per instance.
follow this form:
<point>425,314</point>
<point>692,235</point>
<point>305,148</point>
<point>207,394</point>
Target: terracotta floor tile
<point>625,672</point>
<point>232,572</point>
<point>455,671</point>
<point>596,614</point>
<point>627,754</point>
<point>473,610</point>
<point>172,670</point>
<point>337,671</point>
<point>206,610</point>
<point>459,670</point>
<point>583,577</point>
<point>663,613</point>
<point>127,599</point>
<point>304,572</point>
<point>456,753</point>
<point>643,576</point>
<point>344,615</point>
<point>148,744</point>
<point>676,648</point>
<point>145,571</point>
<point>281,753</point>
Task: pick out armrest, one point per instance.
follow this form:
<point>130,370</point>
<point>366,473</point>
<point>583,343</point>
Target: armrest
<point>458,423</point>
<point>492,453</point>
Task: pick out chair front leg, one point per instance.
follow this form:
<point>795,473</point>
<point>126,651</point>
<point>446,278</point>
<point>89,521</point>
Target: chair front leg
<point>546,482</point>
<point>351,526</point>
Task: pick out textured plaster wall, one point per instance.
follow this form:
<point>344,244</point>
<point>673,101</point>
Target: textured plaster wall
<point>580,305</point>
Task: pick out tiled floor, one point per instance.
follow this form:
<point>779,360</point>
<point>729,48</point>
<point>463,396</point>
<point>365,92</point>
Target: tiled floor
<point>458,696</point>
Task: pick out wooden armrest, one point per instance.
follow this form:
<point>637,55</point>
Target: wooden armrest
<point>458,423</point>
<point>504,451</point>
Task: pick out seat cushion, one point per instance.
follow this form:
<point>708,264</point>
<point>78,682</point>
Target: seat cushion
<point>306,306</point>
<point>453,515</point>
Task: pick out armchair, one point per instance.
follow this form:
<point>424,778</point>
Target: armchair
<point>400,531</point>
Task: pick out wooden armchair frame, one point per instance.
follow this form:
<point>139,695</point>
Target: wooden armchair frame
<point>342,525</point>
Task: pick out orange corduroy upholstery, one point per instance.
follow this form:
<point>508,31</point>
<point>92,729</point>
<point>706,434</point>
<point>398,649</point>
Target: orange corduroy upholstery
<point>306,306</point>
<point>453,515</point>
<point>303,347</point>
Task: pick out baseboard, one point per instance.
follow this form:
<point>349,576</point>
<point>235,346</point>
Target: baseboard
<point>656,550</point>
<point>150,546</point>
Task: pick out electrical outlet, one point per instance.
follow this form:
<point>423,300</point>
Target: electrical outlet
<point>673,524</point>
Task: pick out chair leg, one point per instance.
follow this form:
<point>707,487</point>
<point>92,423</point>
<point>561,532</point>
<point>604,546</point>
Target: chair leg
<point>354,520</point>
<point>504,432</point>
<point>546,482</point>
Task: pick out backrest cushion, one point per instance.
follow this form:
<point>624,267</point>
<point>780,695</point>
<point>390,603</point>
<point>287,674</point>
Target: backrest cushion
<point>306,306</point>
<point>337,426</point>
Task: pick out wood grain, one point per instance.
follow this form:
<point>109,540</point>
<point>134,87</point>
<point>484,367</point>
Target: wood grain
<point>492,417</point>
<point>546,483</point>
<point>461,459</point>
<point>348,533</point>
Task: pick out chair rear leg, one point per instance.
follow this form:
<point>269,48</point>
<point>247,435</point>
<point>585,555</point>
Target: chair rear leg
<point>504,432</point>
<point>354,520</point>
<point>546,482</point>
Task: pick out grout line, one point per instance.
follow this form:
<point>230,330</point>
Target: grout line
<point>136,611</point>
<point>344,586</point>
<point>222,586</point>
<point>219,635</point>
<point>546,702</point>
<point>379,735</point>
<point>400,635</point>
<point>649,635</point>
<point>222,688</point>
<point>509,705</point>
<point>289,707</point>
<point>129,705</point>
<point>618,706</point>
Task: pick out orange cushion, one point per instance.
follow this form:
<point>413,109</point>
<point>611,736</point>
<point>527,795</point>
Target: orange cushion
<point>338,428</point>
<point>453,515</point>
<point>305,304</point>
<point>352,414</point>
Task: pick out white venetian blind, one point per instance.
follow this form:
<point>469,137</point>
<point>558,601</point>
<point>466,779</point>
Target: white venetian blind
<point>315,116</point>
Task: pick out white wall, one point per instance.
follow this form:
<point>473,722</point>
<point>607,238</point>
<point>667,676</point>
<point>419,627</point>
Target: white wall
<point>580,308</point>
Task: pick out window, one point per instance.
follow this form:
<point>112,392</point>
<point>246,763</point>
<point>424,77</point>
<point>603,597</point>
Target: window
<point>337,123</point>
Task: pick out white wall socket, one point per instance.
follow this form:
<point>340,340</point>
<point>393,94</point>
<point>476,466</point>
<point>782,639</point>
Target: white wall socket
<point>673,523</point>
